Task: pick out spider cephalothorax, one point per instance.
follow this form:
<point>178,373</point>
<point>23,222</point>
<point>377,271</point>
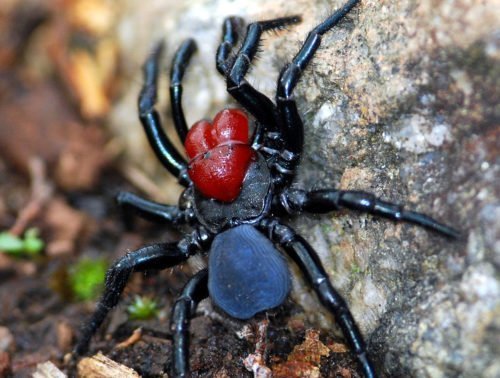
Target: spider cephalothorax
<point>236,187</point>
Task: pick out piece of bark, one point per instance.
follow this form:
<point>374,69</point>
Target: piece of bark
<point>100,366</point>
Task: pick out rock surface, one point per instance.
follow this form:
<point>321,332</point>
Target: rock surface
<point>401,100</point>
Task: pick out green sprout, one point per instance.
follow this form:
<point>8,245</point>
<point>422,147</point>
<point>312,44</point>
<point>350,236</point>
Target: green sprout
<point>87,277</point>
<point>29,245</point>
<point>142,308</point>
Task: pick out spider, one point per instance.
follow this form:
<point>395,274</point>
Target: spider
<point>237,186</point>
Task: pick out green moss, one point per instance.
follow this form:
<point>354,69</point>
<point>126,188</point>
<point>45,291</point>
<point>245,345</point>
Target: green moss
<point>87,277</point>
<point>29,245</point>
<point>142,308</point>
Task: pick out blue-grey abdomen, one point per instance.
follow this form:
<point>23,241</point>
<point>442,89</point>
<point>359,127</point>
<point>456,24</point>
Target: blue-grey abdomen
<point>246,274</point>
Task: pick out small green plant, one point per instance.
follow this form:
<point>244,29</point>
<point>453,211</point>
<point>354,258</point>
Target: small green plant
<point>143,308</point>
<point>87,277</point>
<point>29,245</point>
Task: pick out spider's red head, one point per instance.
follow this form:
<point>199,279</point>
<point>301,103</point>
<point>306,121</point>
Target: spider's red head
<point>219,154</point>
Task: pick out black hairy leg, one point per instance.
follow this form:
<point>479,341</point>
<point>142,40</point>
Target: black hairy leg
<point>323,201</point>
<point>182,312</point>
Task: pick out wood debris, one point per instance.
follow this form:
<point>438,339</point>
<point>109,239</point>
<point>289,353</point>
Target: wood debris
<point>305,359</point>
<point>134,337</point>
<point>100,366</point>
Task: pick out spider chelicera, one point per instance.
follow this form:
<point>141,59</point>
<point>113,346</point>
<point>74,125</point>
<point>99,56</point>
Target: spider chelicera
<point>236,188</point>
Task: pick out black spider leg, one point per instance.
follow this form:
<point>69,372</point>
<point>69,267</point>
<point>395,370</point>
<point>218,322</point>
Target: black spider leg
<point>224,59</point>
<point>308,261</point>
<point>159,141</point>
<point>326,200</point>
<point>184,309</point>
<point>292,129</point>
<point>153,257</point>
<point>255,102</point>
<point>181,60</point>
<point>152,211</point>
<point>230,36</point>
